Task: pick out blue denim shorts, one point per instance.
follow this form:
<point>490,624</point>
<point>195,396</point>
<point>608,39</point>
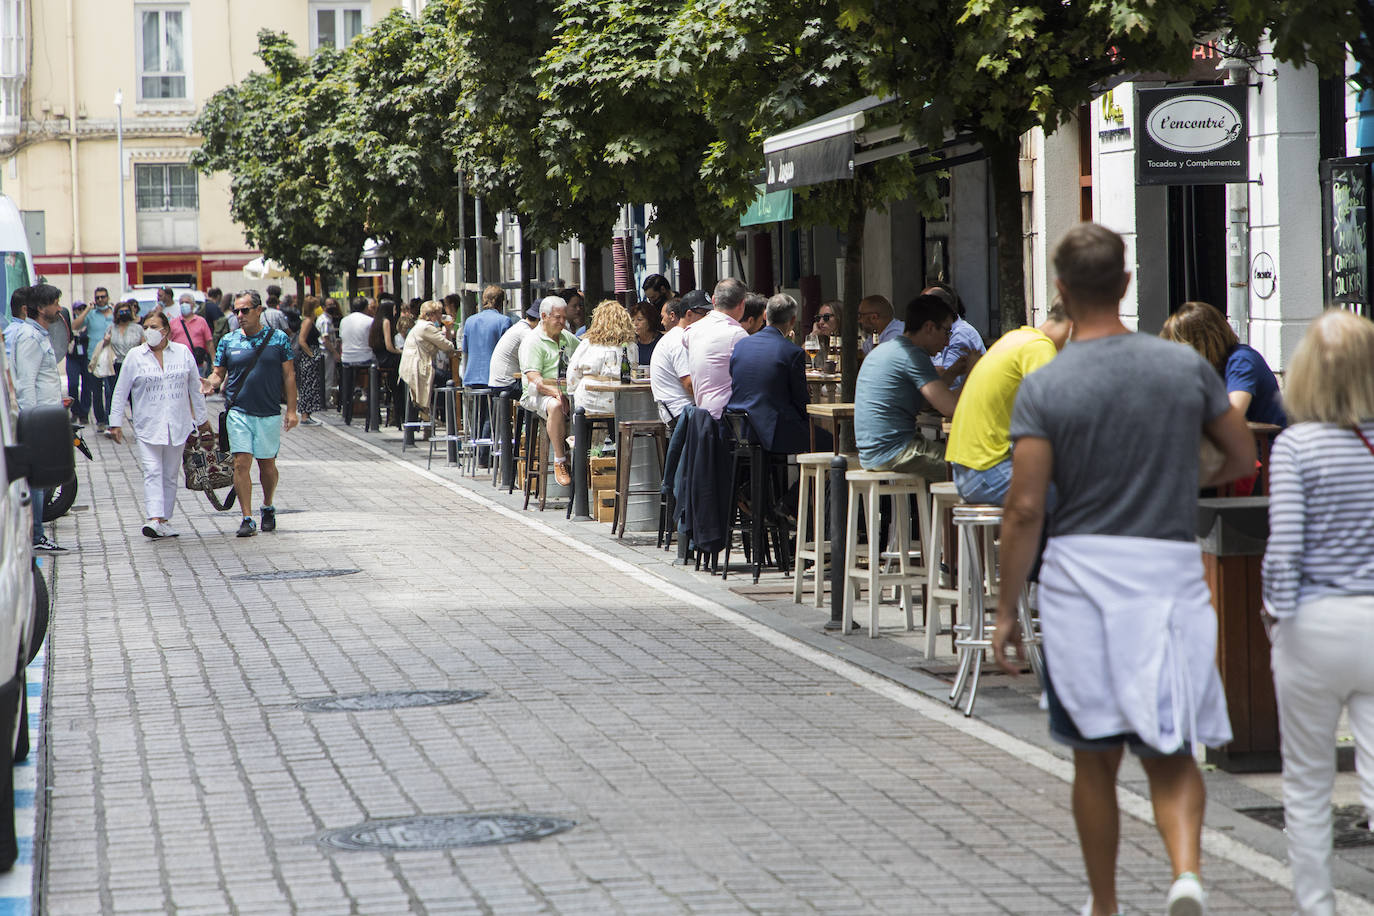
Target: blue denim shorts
<point>988,486</point>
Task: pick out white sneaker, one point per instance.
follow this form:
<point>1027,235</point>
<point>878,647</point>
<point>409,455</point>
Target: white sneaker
<point>164,529</point>
<point>1186,897</point>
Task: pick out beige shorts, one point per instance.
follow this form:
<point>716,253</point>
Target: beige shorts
<point>542,404</point>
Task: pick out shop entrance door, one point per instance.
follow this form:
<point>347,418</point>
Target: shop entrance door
<point>1197,245</point>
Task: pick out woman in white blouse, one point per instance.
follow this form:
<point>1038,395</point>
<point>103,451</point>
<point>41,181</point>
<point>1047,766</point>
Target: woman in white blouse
<point>161,377</point>
<point>610,337</point>
<point>1319,585</point>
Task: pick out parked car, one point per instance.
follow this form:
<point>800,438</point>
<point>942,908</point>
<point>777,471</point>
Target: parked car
<point>35,451</point>
<point>146,295</point>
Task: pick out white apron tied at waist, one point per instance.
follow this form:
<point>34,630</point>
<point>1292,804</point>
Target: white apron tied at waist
<point>1130,638</point>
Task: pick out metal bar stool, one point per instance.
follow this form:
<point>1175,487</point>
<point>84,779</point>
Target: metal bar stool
<point>759,469</point>
<point>452,435</point>
<point>944,496</point>
<point>629,431</point>
<point>866,488</point>
<point>413,423</point>
<point>476,407</point>
<point>977,527</point>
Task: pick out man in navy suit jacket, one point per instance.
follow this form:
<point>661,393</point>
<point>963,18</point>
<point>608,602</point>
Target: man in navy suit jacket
<point>768,375</point>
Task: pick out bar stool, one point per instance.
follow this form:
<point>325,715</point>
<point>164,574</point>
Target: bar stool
<point>977,526</point>
<point>413,423</point>
<point>944,496</point>
<point>436,438</point>
<point>866,488</point>
<point>813,541</point>
<point>629,431</point>
<point>536,431</point>
<point>473,404</point>
<point>757,469</point>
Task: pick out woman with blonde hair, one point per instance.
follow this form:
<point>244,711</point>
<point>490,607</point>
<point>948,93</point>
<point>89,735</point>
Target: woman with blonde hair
<point>1319,585</point>
<point>1250,383</point>
<point>610,337</point>
<point>424,341</point>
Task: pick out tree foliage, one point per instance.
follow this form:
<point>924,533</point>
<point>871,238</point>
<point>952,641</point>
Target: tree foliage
<point>285,191</point>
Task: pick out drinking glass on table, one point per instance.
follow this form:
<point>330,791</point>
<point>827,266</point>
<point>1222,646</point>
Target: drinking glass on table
<point>812,346</point>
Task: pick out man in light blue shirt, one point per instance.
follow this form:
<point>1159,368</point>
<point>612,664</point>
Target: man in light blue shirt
<point>481,333</point>
<point>875,317</point>
<point>99,319</point>
<point>964,339</point>
<point>33,364</point>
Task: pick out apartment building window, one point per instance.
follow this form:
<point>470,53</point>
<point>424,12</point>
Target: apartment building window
<point>334,25</point>
<point>12,64</point>
<point>167,203</point>
<point>163,42</point>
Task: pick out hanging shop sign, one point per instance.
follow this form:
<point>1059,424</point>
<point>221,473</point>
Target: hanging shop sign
<point>1345,231</point>
<point>1192,135</point>
<point>827,159</point>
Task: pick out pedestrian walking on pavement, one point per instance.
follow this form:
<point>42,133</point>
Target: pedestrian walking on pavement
<point>254,367</point>
<point>33,365</point>
<point>1116,422</point>
<point>1319,585</point>
<point>161,378</point>
<point>310,363</point>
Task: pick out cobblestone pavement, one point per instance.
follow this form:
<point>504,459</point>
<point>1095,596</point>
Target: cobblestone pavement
<point>711,765</point>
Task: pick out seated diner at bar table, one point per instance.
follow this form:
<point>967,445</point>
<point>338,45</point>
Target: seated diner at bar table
<point>597,358</point>
<point>896,382</point>
<point>542,354</point>
<point>648,326</point>
<point>1250,383</point>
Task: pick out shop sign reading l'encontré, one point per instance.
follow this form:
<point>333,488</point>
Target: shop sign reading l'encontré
<point>1192,135</point>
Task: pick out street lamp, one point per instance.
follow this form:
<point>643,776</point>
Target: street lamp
<point>119,143</point>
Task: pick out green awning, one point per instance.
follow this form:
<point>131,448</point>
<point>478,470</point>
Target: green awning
<point>768,207</point>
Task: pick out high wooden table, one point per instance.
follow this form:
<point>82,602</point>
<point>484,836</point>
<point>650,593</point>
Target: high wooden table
<point>635,401</point>
<point>832,417</point>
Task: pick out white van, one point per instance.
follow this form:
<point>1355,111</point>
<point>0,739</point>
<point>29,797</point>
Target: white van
<point>16,264</point>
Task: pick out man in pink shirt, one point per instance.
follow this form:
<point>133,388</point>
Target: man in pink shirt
<point>191,331</point>
<point>709,343</point>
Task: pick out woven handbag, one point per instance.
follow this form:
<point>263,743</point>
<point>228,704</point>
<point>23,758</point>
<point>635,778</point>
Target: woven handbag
<point>206,468</point>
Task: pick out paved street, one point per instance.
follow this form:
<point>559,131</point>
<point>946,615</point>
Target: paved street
<point>711,763</point>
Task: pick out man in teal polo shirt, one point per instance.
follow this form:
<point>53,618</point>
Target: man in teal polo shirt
<point>542,354</point>
<point>254,387</point>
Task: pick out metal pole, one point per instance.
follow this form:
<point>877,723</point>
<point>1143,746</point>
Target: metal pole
<point>505,436</point>
<point>582,434</point>
<point>1238,228</point>
<point>461,260</point>
<point>374,399</point>
<point>839,515</point>
<point>119,146</point>
<point>451,422</point>
<point>412,415</point>
<point>477,235</point>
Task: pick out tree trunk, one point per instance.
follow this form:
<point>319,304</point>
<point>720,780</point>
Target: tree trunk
<point>710,266</point>
<point>396,278</point>
<point>593,280</point>
<point>352,281</point>
<point>1004,167</point>
<point>429,279</point>
<point>322,284</point>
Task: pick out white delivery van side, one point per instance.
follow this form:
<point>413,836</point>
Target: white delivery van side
<point>16,263</point>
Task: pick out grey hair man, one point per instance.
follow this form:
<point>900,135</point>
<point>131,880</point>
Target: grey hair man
<point>710,342</point>
<point>544,355</point>
<point>768,377</point>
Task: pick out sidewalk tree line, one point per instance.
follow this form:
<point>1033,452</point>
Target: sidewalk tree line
<point>563,111</point>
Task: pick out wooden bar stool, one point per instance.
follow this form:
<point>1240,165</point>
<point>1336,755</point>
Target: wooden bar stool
<point>813,543</point>
<point>866,488</point>
<point>944,496</point>
<point>536,435</point>
<point>629,431</point>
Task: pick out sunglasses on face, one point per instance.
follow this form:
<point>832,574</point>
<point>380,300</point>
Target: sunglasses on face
<point>824,317</point>
<point>243,311</point>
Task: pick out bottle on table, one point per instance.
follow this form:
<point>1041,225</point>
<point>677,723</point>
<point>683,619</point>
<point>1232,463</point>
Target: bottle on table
<point>625,374</point>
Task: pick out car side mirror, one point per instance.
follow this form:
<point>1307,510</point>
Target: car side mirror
<point>43,452</point>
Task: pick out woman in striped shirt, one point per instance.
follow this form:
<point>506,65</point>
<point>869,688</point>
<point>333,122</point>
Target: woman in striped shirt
<point>1319,584</point>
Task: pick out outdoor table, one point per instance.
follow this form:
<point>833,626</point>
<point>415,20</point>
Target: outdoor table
<point>635,401</point>
<point>832,416</point>
<point>824,387</point>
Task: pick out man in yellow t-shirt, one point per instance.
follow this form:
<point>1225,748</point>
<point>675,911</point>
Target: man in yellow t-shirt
<point>979,438</point>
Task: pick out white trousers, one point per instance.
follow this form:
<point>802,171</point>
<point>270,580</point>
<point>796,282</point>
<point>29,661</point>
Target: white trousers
<point>1323,660</point>
<point>161,472</point>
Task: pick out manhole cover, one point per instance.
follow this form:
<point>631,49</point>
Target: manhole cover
<point>1351,827</point>
<point>289,574</point>
<point>395,699</point>
<point>444,831</point>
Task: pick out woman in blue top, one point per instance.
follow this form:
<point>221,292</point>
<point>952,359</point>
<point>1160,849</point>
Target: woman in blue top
<point>1250,383</point>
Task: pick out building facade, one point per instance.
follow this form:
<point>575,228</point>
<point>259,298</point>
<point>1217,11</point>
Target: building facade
<point>64,64</point>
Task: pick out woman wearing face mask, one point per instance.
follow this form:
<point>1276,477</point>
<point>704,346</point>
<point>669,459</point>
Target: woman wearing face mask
<point>192,331</point>
<point>160,377</point>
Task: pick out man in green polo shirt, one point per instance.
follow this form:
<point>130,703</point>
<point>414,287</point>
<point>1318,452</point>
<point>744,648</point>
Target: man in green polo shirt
<point>542,353</point>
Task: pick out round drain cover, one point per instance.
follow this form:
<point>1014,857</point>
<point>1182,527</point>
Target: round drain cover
<point>444,831</point>
<point>395,699</point>
<point>284,575</point>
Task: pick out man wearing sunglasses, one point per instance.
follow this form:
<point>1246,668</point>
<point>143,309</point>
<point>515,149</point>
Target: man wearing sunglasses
<point>253,366</point>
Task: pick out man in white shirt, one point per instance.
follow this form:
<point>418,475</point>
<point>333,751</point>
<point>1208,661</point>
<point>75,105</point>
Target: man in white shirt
<point>711,341</point>
<point>670,376</point>
<point>355,353</point>
<point>875,317</point>
<point>505,358</point>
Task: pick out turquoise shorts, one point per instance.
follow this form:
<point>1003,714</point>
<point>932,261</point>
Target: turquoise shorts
<point>258,436</point>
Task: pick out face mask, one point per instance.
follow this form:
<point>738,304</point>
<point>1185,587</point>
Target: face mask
<point>153,336</point>
<point>185,308</point>
<point>123,316</point>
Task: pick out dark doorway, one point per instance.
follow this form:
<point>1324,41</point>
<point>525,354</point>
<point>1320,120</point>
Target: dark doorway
<point>1197,245</point>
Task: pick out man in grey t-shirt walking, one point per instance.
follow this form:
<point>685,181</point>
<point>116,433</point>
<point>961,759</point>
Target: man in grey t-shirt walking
<point>1115,422</point>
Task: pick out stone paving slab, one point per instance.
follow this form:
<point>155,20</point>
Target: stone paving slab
<point>710,768</point>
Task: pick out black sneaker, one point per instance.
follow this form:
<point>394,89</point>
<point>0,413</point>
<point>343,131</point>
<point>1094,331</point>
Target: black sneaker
<point>44,544</point>
<point>247,528</point>
<point>269,518</point>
